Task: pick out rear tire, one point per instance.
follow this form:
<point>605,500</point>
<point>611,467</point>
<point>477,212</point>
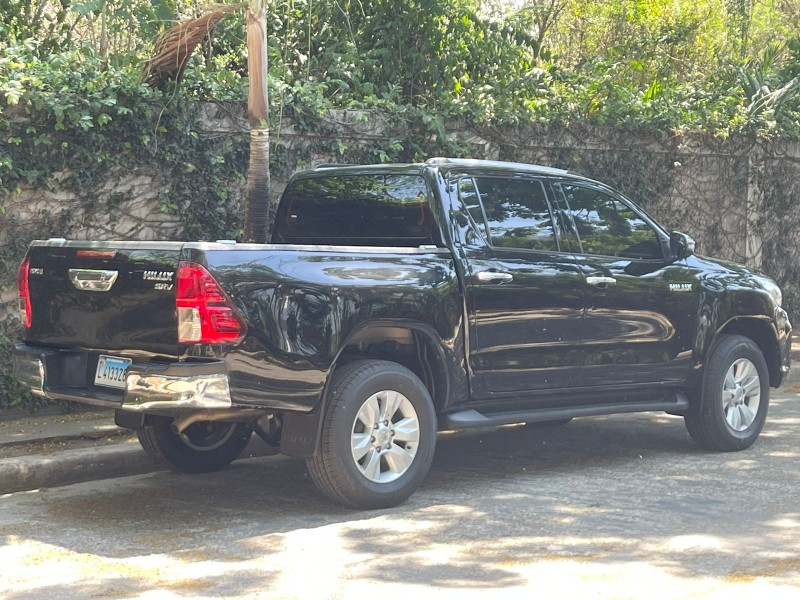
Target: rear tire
<point>734,396</point>
<point>202,447</point>
<point>378,436</point>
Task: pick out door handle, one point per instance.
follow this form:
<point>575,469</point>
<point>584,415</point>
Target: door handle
<point>493,276</point>
<point>594,280</point>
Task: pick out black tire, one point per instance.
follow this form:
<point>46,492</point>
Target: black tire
<point>729,420</point>
<point>358,482</point>
<point>202,447</point>
<point>548,424</point>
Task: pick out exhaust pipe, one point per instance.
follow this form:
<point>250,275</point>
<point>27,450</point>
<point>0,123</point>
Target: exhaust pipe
<point>268,429</point>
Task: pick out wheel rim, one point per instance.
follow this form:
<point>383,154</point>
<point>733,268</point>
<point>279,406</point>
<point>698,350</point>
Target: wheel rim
<point>741,394</point>
<point>385,436</point>
<point>207,435</point>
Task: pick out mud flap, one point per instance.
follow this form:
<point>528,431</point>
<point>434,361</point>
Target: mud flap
<point>300,434</point>
<point>128,419</point>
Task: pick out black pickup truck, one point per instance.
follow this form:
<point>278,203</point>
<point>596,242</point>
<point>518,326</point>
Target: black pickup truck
<point>397,300</point>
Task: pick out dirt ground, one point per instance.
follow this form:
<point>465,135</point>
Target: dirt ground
<point>609,507</point>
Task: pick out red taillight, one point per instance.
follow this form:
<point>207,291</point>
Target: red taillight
<point>205,313</point>
<point>24,292</point>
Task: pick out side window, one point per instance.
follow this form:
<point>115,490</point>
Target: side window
<point>517,213</point>
<point>470,200</point>
<point>609,227</point>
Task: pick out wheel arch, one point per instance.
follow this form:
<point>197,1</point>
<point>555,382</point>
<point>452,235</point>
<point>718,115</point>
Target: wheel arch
<point>716,422</point>
<point>762,332</point>
<point>414,345</point>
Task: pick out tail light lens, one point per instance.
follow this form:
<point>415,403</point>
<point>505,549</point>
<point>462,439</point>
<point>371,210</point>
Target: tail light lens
<point>206,315</point>
<point>24,292</point>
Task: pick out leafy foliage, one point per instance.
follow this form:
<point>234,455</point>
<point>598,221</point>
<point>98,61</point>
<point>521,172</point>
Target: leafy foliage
<point>656,64</point>
<point>767,96</point>
<point>71,124</point>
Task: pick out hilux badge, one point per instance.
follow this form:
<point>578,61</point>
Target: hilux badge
<point>680,287</point>
<point>158,275</point>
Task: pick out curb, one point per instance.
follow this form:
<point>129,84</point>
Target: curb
<point>36,471</point>
<point>95,434</point>
<point>74,466</point>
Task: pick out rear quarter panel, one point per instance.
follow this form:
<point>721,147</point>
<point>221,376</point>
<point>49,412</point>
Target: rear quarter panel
<point>302,304</point>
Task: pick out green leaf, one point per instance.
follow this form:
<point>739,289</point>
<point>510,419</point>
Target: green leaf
<point>92,6</point>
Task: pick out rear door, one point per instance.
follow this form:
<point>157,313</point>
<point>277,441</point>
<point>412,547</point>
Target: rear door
<point>524,289</point>
<point>112,296</point>
<point>639,308</point>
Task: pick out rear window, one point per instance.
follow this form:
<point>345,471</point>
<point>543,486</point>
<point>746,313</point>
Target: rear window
<point>356,210</point>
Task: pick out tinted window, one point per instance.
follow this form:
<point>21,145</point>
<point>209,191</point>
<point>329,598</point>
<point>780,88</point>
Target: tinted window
<point>608,226</point>
<point>469,198</point>
<point>517,214</point>
<point>389,210</point>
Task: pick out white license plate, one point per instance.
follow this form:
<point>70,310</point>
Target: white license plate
<point>111,371</point>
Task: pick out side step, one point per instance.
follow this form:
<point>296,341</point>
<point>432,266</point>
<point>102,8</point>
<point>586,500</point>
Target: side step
<point>467,419</point>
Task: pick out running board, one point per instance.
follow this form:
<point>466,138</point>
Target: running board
<point>467,419</point>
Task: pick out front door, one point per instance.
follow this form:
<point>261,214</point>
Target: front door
<point>638,314</point>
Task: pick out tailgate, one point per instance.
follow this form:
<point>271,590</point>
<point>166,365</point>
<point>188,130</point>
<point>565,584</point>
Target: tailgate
<point>116,296</point>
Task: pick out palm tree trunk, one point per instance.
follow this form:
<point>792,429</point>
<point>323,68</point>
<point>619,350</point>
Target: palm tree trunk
<point>257,214</point>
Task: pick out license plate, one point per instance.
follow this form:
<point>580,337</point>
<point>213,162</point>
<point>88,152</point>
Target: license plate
<point>111,371</point>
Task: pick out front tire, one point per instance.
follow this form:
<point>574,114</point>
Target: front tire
<point>202,447</point>
<point>378,436</point>
<point>734,397</point>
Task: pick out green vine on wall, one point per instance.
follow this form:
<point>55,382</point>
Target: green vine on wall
<point>72,125</point>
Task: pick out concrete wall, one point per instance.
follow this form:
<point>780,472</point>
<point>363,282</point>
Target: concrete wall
<point>740,198</point>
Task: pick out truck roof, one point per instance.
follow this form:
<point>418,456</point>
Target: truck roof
<point>466,163</point>
<point>443,163</point>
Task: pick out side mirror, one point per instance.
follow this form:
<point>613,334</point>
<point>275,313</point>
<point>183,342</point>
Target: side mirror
<point>680,245</point>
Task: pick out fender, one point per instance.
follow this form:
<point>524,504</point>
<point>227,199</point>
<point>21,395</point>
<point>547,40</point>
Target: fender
<point>302,431</point>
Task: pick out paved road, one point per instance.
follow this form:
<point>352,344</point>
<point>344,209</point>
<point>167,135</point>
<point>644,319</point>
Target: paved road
<point>614,507</point>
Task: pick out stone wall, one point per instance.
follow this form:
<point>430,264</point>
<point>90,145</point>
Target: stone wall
<point>736,196</point>
<point>739,197</point>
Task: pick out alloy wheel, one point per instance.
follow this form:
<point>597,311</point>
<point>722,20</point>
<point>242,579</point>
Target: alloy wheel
<point>741,394</point>
<point>385,436</point>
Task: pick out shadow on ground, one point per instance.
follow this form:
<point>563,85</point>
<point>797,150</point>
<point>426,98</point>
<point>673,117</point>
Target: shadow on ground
<point>498,506</point>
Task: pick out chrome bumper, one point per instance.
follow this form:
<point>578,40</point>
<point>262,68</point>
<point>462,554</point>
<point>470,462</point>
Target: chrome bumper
<point>150,387</point>
<point>144,393</point>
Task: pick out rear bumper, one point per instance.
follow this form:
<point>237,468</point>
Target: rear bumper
<point>149,387</point>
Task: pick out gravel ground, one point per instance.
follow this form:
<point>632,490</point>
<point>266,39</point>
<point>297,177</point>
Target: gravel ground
<point>611,507</point>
